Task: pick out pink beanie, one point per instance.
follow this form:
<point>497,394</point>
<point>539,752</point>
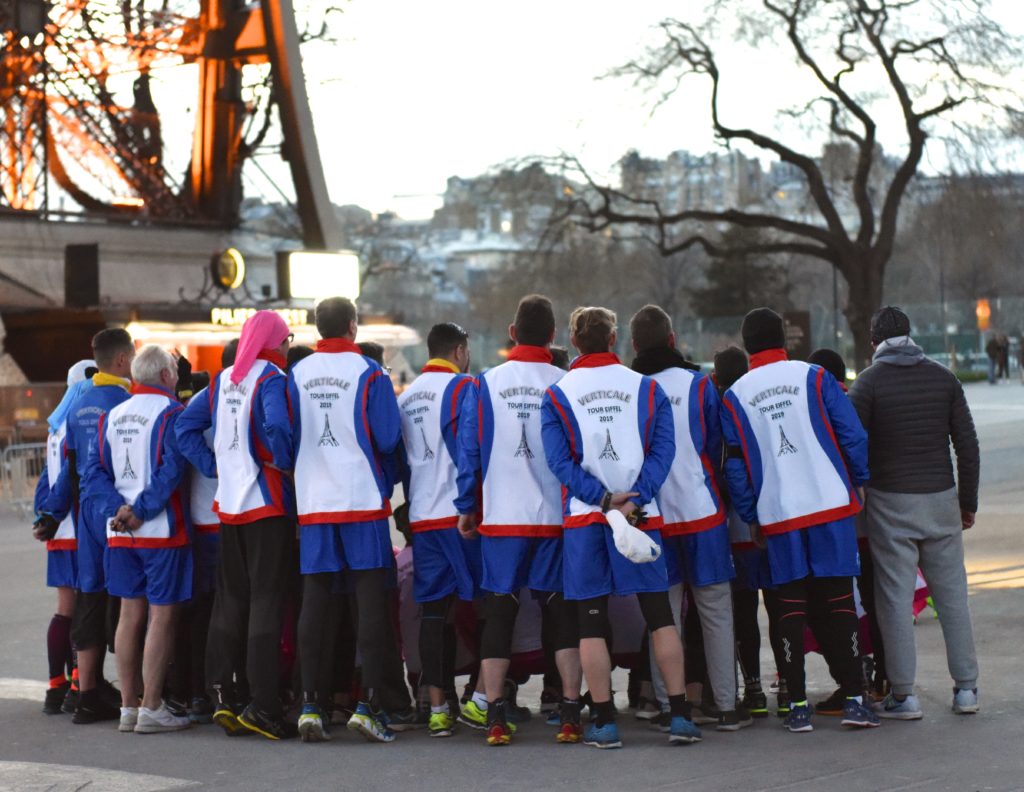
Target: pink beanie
<point>262,330</point>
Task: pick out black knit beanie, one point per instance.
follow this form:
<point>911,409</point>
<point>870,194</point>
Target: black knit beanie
<point>831,361</point>
<point>730,365</point>
<point>889,322</point>
<point>762,329</point>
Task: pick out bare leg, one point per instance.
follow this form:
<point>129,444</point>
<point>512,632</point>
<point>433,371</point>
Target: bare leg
<point>668,654</point>
<point>128,642</point>
<point>158,653</point>
<point>597,667</point>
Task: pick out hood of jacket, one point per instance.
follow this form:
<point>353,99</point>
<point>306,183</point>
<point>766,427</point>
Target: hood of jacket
<point>899,351</point>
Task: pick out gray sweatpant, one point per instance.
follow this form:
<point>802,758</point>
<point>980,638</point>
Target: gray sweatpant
<point>714,604</point>
<point>908,531</point>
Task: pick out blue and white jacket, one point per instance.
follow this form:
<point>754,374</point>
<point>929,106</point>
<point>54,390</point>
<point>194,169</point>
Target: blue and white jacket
<point>346,423</point>
<point>501,449</point>
<point>135,460</point>
<point>607,429</point>
<point>252,439</point>
<point>804,450</point>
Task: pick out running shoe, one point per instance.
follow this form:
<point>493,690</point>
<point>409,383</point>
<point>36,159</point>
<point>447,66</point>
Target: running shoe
<point>965,702</point>
<point>129,717</point>
<point>262,723</point>
<point>160,720</point>
<point>859,716</point>
<point>549,700</point>
<point>54,701</point>
<point>570,730</point>
<point>755,702</point>
<point>782,701</point>
<point>498,732</point>
<point>606,736</point>
<point>516,713</point>
<point>663,722</point>
<point>682,731</point>
<point>109,693</point>
<point>200,710</point>
<point>225,715</point>
<point>70,703</point>
<point>554,717</point>
<point>441,724</point>
<point>894,709</point>
<point>734,720</point>
<point>405,720</point>
<point>372,725</point>
<point>799,719</point>
<point>833,705</point>
<point>705,714</point>
<point>647,709</point>
<point>312,727</point>
<point>93,708</point>
<point>474,717</point>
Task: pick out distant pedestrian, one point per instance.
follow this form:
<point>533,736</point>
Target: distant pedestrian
<point>992,350</point>
<point>912,407</point>
<point>1004,357</point>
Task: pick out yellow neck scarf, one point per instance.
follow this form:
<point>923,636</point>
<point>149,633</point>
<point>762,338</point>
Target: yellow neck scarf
<point>99,378</point>
<point>442,363</point>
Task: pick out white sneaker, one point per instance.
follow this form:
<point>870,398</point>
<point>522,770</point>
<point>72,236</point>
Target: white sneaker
<point>890,707</point>
<point>965,702</point>
<point>129,717</point>
<point>160,720</point>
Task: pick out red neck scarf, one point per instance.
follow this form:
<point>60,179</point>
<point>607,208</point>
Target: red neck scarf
<point>530,354</point>
<point>759,359</point>
<point>139,390</point>
<point>337,345</point>
<point>596,359</point>
<point>273,356</point>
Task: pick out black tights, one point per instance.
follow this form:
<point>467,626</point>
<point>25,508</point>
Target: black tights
<point>839,632</point>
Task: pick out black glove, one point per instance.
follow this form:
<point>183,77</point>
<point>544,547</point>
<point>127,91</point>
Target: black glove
<point>45,528</point>
<point>636,517</point>
<point>184,389</point>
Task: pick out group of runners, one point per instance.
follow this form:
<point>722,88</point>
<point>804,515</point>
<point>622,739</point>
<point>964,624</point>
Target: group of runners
<point>176,511</point>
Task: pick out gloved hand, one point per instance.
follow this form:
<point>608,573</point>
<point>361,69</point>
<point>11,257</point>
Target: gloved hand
<point>184,389</point>
<point>45,528</point>
<point>630,541</point>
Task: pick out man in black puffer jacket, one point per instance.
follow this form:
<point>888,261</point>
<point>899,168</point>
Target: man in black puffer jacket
<point>916,512</point>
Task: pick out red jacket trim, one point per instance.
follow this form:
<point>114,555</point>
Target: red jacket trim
<point>809,520</point>
<point>434,525</point>
<point>342,517</point>
<point>695,526</point>
<point>529,531</point>
<point>597,518</point>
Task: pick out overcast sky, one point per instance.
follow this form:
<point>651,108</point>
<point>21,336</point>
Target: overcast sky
<point>416,91</point>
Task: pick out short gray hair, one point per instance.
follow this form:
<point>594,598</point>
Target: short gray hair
<point>150,362</point>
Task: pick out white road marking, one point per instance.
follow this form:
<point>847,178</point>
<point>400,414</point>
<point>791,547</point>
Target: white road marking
<point>34,776</point>
<point>30,689</point>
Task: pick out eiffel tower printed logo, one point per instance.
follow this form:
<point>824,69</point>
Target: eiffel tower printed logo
<point>609,450</point>
<point>785,447</point>
<point>524,447</point>
<point>428,454</point>
<point>327,437</point>
<point>234,442</point>
<point>128,474</point>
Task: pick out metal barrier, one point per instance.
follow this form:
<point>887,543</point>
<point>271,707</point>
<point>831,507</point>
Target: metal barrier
<point>21,466</point>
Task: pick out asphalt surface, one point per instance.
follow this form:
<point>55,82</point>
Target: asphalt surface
<point>941,752</point>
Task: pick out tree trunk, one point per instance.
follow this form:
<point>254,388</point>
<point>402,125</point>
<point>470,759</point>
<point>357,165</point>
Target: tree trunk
<point>865,297</point>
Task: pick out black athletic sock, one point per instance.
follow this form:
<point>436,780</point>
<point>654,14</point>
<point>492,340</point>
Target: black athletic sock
<point>604,712</point>
<point>679,706</point>
<point>58,648</point>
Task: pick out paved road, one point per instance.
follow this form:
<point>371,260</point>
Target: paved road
<point>942,752</point>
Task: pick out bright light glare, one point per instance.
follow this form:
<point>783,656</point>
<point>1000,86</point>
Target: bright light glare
<point>318,275</point>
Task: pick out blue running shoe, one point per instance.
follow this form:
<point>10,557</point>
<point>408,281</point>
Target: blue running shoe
<point>372,725</point>
<point>799,718</point>
<point>683,730</point>
<point>858,716</point>
<point>907,709</point>
<point>606,736</point>
<point>312,725</point>
<point>554,718</point>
